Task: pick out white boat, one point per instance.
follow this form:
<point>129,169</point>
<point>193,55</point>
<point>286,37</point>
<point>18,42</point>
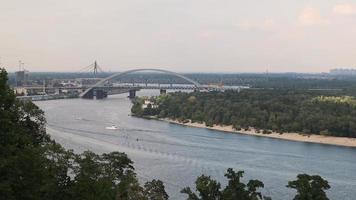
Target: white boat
<point>112,127</point>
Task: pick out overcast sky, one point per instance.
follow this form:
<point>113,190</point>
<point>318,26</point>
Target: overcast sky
<point>179,35</point>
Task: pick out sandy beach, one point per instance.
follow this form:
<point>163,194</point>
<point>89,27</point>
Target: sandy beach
<point>330,140</point>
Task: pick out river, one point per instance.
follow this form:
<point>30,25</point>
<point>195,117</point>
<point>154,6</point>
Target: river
<point>177,154</point>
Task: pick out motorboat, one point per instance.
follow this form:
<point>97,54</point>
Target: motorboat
<point>112,127</point>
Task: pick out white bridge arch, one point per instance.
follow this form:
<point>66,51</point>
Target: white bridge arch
<point>119,74</point>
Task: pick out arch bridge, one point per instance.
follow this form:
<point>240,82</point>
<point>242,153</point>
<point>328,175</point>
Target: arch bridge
<point>98,90</point>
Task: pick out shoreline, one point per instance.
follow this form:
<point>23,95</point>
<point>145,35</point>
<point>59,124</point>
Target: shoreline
<point>317,139</point>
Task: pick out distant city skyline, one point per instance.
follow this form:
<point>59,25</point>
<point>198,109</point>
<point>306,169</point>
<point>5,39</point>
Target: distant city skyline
<point>179,35</point>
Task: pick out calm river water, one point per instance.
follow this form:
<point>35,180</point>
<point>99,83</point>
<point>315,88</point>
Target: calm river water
<point>177,154</point>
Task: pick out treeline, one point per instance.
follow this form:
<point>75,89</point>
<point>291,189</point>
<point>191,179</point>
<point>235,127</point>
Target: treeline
<point>309,112</point>
<point>308,188</point>
<point>34,167</point>
<point>295,81</point>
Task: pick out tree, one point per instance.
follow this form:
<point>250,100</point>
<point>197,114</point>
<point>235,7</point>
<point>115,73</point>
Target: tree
<point>236,190</point>
<point>154,190</point>
<point>209,189</point>
<point>136,108</point>
<point>25,170</point>
<point>309,187</point>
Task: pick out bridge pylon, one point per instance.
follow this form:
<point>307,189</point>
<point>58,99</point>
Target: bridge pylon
<point>132,94</point>
<point>162,91</point>
<point>94,67</point>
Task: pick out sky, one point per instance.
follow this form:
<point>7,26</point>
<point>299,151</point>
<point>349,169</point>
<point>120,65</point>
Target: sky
<point>179,35</point>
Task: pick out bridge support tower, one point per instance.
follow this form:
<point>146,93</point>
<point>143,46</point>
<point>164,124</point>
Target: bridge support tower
<point>100,94</point>
<point>96,94</point>
<point>132,94</point>
<point>162,91</point>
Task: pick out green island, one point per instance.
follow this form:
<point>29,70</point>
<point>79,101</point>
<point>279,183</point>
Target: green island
<point>266,111</point>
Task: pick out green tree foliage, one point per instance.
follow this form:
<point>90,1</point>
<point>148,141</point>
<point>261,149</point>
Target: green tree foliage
<point>209,189</point>
<point>23,165</point>
<point>136,108</point>
<point>309,187</point>
<point>108,176</point>
<point>155,190</point>
<point>310,112</point>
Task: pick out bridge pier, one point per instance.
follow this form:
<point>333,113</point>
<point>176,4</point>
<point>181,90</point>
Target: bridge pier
<point>88,95</point>
<point>99,94</point>
<point>95,94</point>
<point>132,94</point>
<point>162,91</point>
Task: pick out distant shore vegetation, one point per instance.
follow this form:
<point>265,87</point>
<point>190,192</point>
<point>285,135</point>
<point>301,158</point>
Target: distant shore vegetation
<point>282,111</point>
<point>347,100</point>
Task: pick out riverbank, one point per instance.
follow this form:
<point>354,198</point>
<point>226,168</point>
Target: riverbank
<point>330,140</point>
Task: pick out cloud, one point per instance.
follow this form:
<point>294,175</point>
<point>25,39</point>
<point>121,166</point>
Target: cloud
<point>311,16</point>
<point>266,24</point>
<point>344,9</point>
